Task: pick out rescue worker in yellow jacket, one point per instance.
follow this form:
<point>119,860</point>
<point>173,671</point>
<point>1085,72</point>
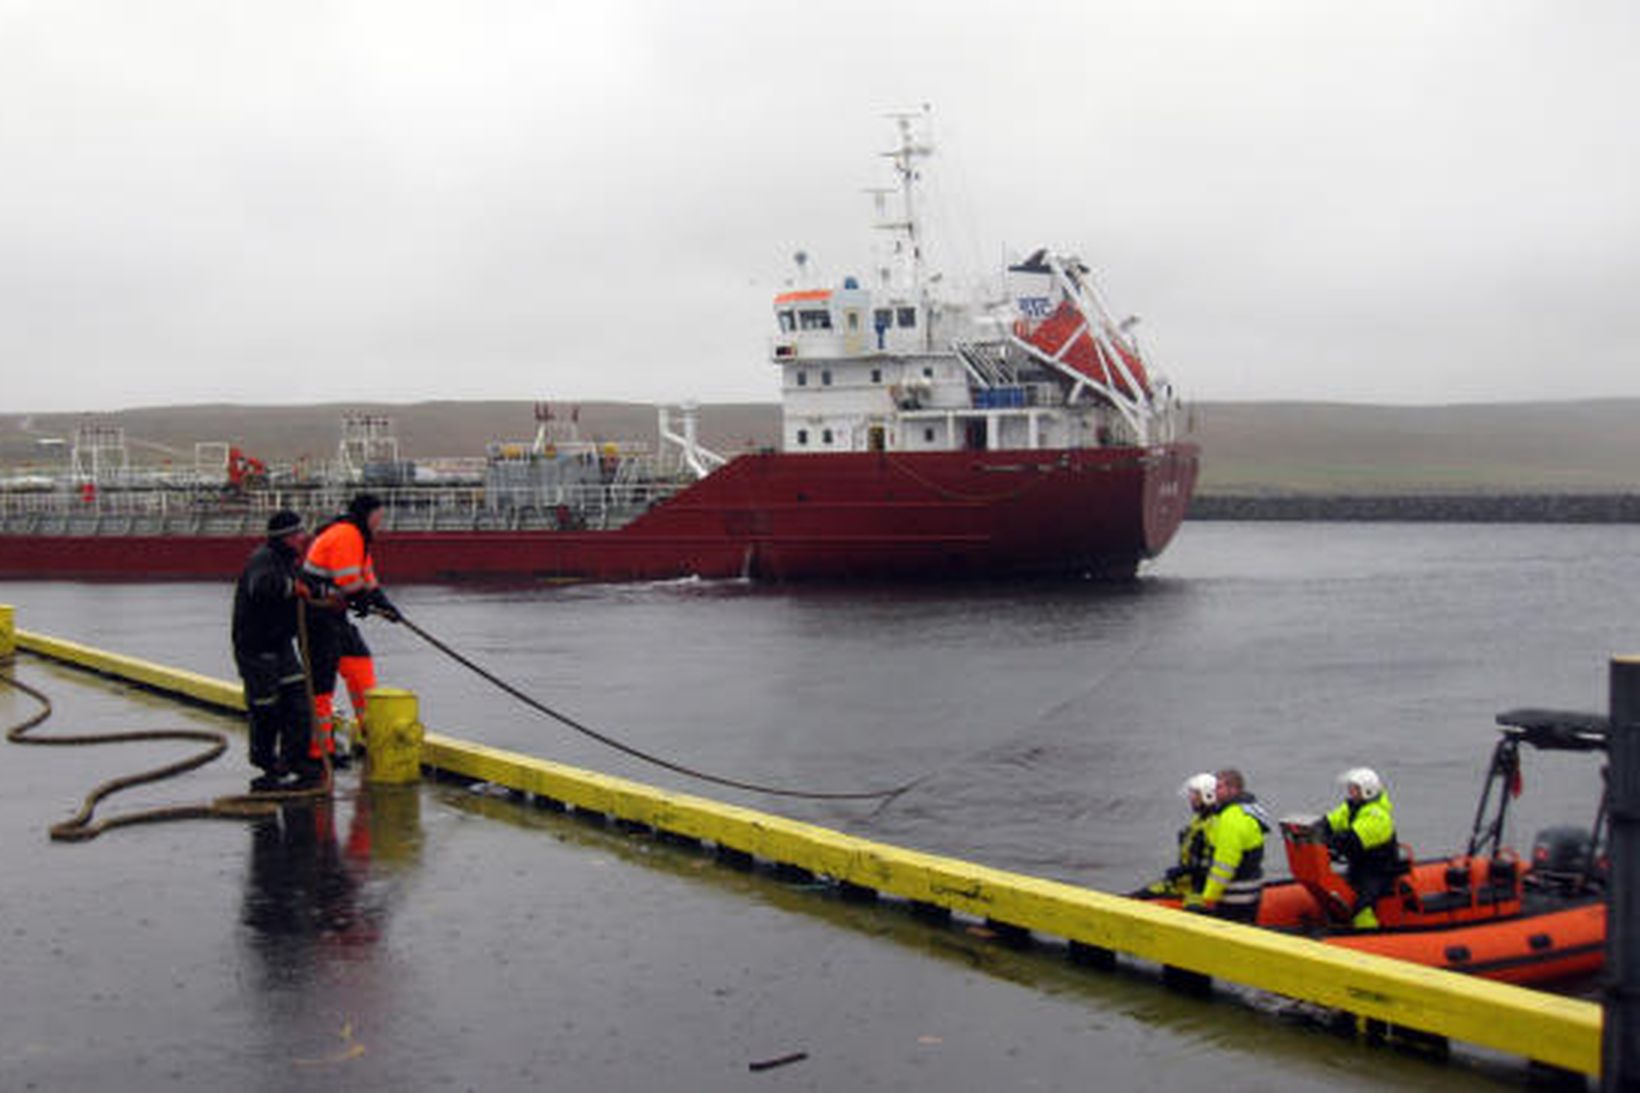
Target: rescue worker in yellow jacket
<point>340,568</point>
<point>1235,840</point>
<point>1186,878</point>
<point>1361,830</point>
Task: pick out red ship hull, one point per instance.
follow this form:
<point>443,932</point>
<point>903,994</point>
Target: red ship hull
<point>777,517</point>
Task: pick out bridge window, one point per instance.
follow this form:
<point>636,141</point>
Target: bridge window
<point>928,373</point>
<point>802,379</point>
<point>882,318</point>
<point>815,320</point>
<point>788,322</point>
<point>803,437</point>
<point>825,436</point>
<point>928,434</point>
<point>907,316</point>
<point>825,377</point>
<point>876,375</point>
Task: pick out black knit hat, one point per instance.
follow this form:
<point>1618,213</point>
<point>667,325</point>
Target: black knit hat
<point>362,505</point>
<point>283,522</point>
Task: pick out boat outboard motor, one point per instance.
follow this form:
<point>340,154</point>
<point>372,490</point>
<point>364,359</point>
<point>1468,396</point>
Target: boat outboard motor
<point>1563,859</point>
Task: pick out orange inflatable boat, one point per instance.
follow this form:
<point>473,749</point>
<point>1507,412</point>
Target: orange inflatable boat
<point>1483,911</point>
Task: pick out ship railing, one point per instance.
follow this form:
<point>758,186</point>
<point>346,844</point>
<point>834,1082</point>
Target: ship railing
<point>599,507</point>
<point>101,502</point>
<point>197,511</point>
<point>1048,395</point>
<point>122,512</point>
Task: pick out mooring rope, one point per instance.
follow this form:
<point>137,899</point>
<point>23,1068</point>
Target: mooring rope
<point>81,826</point>
<point>627,749</point>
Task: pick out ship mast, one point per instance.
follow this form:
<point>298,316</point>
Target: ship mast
<point>907,231</point>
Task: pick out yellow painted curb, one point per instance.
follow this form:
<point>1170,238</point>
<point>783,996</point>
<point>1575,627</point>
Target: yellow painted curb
<point>212,692</point>
<point>1552,1029</point>
<point>1562,1032</point>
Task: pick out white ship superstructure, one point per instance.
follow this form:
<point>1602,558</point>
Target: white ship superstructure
<point>892,366</point>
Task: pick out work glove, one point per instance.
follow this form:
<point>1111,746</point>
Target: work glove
<point>377,603</point>
<point>1344,844</point>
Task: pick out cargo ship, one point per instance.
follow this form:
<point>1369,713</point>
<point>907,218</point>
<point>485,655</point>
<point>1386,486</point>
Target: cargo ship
<point>1013,431</point>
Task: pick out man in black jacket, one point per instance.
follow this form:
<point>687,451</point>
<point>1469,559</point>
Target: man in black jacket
<point>264,634</point>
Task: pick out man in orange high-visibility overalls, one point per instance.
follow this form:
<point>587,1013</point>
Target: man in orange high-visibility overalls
<point>340,567</point>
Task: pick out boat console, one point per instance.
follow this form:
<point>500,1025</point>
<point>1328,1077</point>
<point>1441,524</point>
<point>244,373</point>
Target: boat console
<point>1462,888</point>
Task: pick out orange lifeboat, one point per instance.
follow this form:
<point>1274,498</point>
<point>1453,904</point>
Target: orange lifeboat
<point>1064,335</point>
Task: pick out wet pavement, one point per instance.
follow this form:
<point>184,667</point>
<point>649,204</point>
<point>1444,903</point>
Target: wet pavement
<point>438,938</point>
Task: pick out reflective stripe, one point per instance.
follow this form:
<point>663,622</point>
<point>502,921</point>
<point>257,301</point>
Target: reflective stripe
<point>322,740</point>
<point>340,557</point>
<point>1238,851</point>
<point>337,573</point>
<point>347,575</point>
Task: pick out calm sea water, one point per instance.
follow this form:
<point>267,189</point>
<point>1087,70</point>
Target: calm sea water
<point>1050,725</point>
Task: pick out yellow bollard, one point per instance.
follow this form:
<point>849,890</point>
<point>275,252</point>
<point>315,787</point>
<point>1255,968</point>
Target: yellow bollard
<point>8,633</point>
<point>393,736</point>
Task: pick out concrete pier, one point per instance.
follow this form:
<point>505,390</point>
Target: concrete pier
<point>1560,1032</point>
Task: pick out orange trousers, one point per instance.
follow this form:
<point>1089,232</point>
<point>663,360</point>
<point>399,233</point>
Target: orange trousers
<point>359,673</point>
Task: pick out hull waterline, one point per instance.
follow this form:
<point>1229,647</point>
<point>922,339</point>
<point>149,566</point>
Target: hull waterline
<point>843,516</point>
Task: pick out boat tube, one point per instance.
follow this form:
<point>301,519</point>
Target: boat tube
<point>1483,911</point>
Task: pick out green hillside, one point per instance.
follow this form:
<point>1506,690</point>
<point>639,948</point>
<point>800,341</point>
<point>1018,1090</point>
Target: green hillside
<point>1555,447</point>
<point>1248,447</point>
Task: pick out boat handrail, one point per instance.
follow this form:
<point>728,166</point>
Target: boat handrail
<point>595,504</point>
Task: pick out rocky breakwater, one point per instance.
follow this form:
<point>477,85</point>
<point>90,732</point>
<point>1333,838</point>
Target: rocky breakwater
<point>1525,508</point>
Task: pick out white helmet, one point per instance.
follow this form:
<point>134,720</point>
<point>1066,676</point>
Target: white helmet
<point>1204,786</point>
<point>1364,779</point>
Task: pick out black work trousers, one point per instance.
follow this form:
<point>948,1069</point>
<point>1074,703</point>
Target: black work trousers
<point>276,699</point>
<point>331,636</point>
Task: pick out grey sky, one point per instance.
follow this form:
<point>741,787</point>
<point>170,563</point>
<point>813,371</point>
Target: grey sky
<point>320,200</point>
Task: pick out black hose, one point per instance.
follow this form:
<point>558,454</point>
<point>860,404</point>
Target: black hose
<point>679,768</point>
